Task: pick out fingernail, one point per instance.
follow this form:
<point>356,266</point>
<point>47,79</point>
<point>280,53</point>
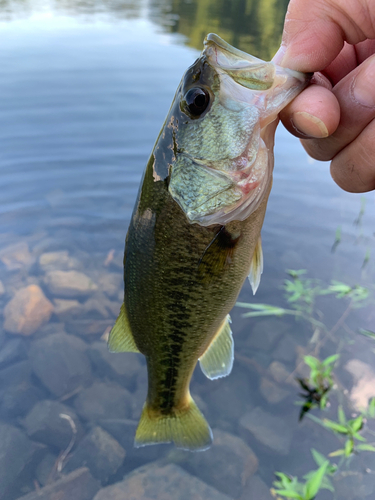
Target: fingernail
<point>363,89</point>
<point>309,125</point>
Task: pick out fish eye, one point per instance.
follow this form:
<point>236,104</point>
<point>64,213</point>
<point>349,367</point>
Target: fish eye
<point>197,100</point>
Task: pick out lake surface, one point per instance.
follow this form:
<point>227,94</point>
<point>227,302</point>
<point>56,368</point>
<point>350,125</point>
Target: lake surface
<point>84,89</point>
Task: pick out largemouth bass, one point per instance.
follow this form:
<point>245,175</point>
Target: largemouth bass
<point>194,236</point>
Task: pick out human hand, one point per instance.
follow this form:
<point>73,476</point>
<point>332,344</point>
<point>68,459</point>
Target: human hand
<point>334,117</point>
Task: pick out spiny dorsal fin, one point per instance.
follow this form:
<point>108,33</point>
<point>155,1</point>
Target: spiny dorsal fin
<point>121,338</point>
<point>256,266</point>
<point>217,361</point>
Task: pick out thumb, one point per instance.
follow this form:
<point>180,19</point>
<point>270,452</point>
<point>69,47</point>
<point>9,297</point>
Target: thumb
<point>315,31</point>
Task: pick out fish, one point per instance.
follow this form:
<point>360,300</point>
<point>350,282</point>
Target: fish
<point>194,235</point>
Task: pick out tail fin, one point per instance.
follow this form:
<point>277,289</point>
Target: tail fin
<point>187,428</point>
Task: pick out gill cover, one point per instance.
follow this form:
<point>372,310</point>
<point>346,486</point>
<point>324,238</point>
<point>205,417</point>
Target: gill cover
<point>223,159</point>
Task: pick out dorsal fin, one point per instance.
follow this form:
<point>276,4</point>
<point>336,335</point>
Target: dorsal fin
<point>256,266</point>
<point>120,337</point>
<point>217,361</point>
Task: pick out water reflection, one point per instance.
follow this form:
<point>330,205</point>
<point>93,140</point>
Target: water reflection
<point>251,25</point>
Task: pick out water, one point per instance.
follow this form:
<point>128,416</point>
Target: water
<point>84,90</point>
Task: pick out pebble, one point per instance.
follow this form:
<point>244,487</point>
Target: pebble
<point>122,367</point>
<point>44,424</point>
<point>265,333</point>
<point>364,382</point>
<point>111,284</point>
<point>18,394</point>
<point>160,482</point>
<point>27,311</point>
<point>50,261</point>
<point>88,327</point>
<point>227,465</point>
<point>65,308</point>
<point>79,485</point>
<point>18,459</point>
<point>271,391</point>
<point>61,363</point>
<point>69,283</point>
<point>2,288</point>
<point>98,451</point>
<point>46,469</point>
<point>103,400</point>
<point>268,429</point>
<point>16,256</point>
<point>285,349</point>
<point>13,350</point>
<point>256,489</point>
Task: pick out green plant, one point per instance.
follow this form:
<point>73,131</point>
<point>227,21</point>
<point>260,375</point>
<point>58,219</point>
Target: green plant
<point>350,430</point>
<point>318,384</point>
<point>289,487</point>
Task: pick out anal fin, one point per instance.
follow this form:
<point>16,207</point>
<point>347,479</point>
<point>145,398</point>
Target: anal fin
<point>217,361</point>
<point>120,337</point>
<point>256,266</point>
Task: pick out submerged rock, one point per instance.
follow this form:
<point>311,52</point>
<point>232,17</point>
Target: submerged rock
<point>18,394</point>
<point>160,482</point>
<point>27,311</point>
<point>364,382</point>
<point>60,362</point>
<point>103,400</point>
<point>50,261</point>
<point>18,458</point>
<point>44,424</point>
<point>13,350</point>
<point>65,308</point>
<point>69,283</point>
<point>256,489</point>
<point>79,485</point>
<point>227,465</point>
<point>123,367</point>
<point>268,429</point>
<point>98,451</point>
<point>272,392</point>
<point>16,256</point>
<point>111,284</point>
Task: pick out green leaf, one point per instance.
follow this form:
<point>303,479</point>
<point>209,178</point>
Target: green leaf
<point>335,426</point>
<point>349,445</point>
<point>371,406</point>
<point>318,457</point>
<point>313,484</point>
<point>341,415</point>
<point>330,359</point>
<point>358,436</point>
<point>365,447</point>
<point>357,423</point>
<point>367,333</point>
<point>312,362</point>
<point>337,453</point>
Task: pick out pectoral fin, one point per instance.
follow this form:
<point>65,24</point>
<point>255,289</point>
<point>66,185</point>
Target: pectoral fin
<point>121,338</point>
<point>256,266</point>
<point>217,361</point>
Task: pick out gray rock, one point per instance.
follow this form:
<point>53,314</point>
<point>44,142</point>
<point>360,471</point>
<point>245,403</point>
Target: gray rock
<point>79,485</point>
<point>122,367</point>
<point>13,350</point>
<point>271,391</point>
<point>256,489</point>
<point>50,261</point>
<point>103,400</point>
<point>123,430</point>
<point>227,465</point>
<point>98,451</point>
<point>46,469</point>
<point>111,284</point>
<point>16,256</point>
<point>160,482</point>
<point>88,327</point>
<point>268,429</point>
<point>265,333</point>
<point>18,394</point>
<point>285,349</point>
<point>69,283</point>
<point>44,424</point>
<point>66,308</point>
<point>18,459</point>
<point>61,363</point>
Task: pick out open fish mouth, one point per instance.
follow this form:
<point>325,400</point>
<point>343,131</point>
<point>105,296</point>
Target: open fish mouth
<point>231,186</point>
